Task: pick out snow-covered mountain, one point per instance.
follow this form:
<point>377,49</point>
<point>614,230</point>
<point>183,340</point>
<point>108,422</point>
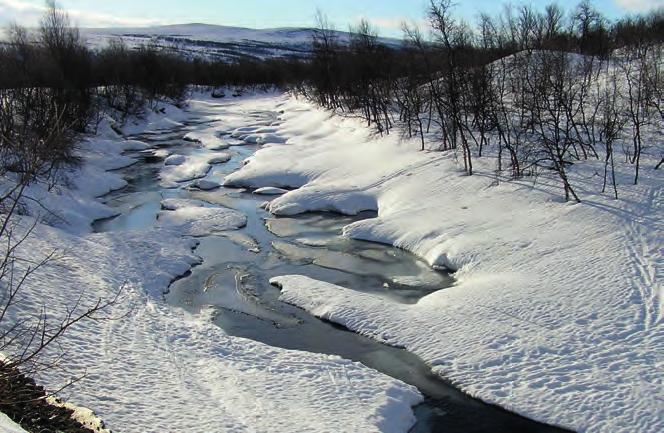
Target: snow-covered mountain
<point>213,41</point>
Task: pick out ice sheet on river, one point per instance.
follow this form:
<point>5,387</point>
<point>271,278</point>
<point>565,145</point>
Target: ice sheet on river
<point>194,220</point>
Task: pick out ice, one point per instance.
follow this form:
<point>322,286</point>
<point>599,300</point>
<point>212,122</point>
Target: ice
<point>201,221</point>
<point>399,273</point>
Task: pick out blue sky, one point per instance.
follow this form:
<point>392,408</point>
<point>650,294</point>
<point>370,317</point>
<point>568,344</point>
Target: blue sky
<point>385,14</point>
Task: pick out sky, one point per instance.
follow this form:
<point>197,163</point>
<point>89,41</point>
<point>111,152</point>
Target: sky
<point>386,15</point>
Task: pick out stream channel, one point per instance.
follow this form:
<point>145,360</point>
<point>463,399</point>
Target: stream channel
<point>237,265</point>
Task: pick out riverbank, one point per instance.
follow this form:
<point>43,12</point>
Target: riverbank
<point>556,313</point>
<point>155,367</point>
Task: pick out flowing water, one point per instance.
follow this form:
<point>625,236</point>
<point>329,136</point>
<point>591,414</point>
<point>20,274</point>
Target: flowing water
<point>233,279</point>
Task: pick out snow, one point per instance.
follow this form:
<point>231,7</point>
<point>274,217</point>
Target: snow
<point>134,145</point>
<point>83,415</point>
<point>193,167</point>
<point>202,379</point>
<point>206,184</point>
<point>158,368</point>
<point>71,203</point>
<point>209,138</point>
<point>163,116</point>
<point>268,190</point>
<point>179,203</point>
<point>175,160</point>
<point>9,426</point>
<point>220,158</point>
<point>557,309</point>
<point>212,41</point>
<point>201,221</point>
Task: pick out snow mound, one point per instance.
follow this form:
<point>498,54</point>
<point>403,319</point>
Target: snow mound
<point>135,145</point>
<point>175,160</point>
<point>193,167</point>
<point>178,203</point>
<point>209,138</point>
<point>220,158</point>
<point>269,190</point>
<point>206,184</point>
<point>201,221</point>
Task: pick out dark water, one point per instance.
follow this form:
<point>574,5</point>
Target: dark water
<point>233,280</point>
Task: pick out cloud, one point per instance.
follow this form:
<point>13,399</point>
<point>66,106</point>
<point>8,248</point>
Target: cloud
<point>28,14</point>
<point>639,5</point>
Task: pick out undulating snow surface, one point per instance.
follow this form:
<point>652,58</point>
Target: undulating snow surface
<point>557,311</point>
<point>156,368</point>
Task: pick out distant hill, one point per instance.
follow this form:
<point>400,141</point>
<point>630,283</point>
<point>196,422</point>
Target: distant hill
<point>218,42</point>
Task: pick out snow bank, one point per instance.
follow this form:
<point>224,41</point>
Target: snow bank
<point>193,167</point>
<point>71,203</point>
<point>557,311</point>
<point>209,138</point>
<point>258,134</point>
<point>179,203</point>
<point>164,116</point>
<point>9,426</point>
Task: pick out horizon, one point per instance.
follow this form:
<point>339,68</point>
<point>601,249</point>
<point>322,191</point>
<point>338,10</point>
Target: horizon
<point>262,14</point>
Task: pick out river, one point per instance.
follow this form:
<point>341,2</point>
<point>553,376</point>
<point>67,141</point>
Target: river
<point>233,279</point>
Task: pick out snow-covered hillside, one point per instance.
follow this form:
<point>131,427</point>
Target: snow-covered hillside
<point>213,41</point>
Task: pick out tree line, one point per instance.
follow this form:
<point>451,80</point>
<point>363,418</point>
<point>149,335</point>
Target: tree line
<point>543,88</point>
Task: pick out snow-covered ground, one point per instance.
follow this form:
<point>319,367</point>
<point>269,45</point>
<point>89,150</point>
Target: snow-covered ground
<point>219,42</point>
<point>557,309</point>
<point>9,426</point>
<point>156,368</point>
